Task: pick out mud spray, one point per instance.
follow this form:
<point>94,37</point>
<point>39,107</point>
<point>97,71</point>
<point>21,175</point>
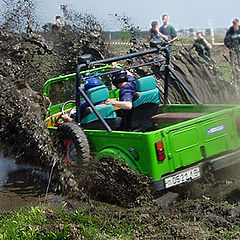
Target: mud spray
<point>28,59</point>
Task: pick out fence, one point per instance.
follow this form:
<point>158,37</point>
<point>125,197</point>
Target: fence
<point>177,44</point>
<point>122,52</point>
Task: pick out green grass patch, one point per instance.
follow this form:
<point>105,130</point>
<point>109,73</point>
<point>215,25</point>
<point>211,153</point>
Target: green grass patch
<point>21,224</point>
<point>226,71</point>
<point>39,223</point>
<point>118,47</point>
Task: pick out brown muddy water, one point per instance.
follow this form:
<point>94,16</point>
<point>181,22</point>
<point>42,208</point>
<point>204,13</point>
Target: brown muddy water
<point>22,186</point>
<point>25,64</point>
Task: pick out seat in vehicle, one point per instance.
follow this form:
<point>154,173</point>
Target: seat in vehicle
<point>90,119</point>
<point>146,102</point>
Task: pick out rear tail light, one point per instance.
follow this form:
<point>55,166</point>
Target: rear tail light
<point>238,125</point>
<point>160,150</point>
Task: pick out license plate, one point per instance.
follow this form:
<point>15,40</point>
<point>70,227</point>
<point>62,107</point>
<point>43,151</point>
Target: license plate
<point>182,177</point>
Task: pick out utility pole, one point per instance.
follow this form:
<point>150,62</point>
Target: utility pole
<point>211,29</point>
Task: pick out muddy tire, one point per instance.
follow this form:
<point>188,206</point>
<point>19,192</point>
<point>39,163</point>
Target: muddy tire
<point>75,142</point>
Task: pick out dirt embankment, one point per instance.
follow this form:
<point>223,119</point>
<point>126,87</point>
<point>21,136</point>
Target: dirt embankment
<point>206,79</point>
<point>28,60</point>
<point>187,219</point>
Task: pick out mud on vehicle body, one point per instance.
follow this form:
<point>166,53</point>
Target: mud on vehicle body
<point>170,143</point>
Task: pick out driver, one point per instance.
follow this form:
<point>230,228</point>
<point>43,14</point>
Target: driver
<point>89,83</point>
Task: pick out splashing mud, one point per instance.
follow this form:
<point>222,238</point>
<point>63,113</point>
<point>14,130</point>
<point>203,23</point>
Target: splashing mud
<point>111,182</point>
<point>205,78</point>
<point>17,13</point>
<point>27,61</point>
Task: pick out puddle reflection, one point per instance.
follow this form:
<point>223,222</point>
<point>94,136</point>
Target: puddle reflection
<point>7,165</point>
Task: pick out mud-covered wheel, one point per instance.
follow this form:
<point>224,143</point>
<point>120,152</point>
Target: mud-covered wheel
<point>75,144</point>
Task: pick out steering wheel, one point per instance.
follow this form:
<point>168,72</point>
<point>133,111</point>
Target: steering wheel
<point>65,104</point>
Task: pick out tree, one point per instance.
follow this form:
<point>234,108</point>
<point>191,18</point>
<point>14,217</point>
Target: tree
<point>125,35</point>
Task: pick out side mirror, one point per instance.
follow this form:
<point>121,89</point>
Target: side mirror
<point>84,58</point>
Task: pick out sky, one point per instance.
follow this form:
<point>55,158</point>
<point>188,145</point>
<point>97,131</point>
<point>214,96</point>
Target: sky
<point>182,13</point>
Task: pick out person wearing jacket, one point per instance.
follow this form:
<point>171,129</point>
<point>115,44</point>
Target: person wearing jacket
<point>232,42</point>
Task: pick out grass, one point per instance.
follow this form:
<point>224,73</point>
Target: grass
<point>36,224</point>
<point>118,49</point>
<point>21,225</point>
<point>42,223</point>
<point>226,71</point>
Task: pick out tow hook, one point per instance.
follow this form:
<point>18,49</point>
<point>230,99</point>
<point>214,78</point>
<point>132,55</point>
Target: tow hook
<point>134,153</point>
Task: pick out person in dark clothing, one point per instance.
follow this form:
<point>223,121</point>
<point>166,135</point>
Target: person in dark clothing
<point>155,34</point>
<point>202,46</point>
<point>169,29</point>
<point>89,83</point>
<point>125,81</point>
<point>232,42</point>
<point>58,20</point>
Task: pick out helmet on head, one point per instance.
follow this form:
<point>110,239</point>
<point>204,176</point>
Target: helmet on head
<point>91,82</point>
<point>119,77</point>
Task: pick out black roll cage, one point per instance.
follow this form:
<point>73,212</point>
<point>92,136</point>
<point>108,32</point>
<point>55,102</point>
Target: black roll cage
<point>85,62</point>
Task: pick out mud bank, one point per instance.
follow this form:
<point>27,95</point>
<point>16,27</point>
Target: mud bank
<point>206,209</point>
<point>186,219</point>
<point>29,60</point>
<point>23,69</point>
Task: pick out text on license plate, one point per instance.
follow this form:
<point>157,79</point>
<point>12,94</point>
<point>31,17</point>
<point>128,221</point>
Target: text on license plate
<point>182,177</point>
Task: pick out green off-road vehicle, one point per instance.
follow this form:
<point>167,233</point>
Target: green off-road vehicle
<point>170,143</point>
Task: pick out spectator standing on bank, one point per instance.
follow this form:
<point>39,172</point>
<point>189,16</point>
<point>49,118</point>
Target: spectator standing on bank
<point>232,42</point>
<point>166,27</point>
<point>58,20</point>
<point>202,46</point>
<point>155,34</point>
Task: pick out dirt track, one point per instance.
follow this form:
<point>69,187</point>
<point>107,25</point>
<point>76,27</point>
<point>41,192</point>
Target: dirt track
<point>23,69</point>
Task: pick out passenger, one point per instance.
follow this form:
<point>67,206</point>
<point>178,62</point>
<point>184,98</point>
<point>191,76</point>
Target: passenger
<point>125,81</point>
<point>89,83</point>
<point>232,42</point>
<point>155,34</point>
<point>202,46</point>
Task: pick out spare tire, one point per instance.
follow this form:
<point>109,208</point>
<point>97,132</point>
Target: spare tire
<point>75,143</point>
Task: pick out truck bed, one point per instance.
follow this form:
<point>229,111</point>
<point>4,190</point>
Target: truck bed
<point>175,117</point>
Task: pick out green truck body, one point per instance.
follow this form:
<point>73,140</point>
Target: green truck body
<point>196,141</point>
<point>204,138</point>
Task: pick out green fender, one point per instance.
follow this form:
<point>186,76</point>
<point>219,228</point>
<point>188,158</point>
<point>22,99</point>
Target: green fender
<point>119,155</point>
